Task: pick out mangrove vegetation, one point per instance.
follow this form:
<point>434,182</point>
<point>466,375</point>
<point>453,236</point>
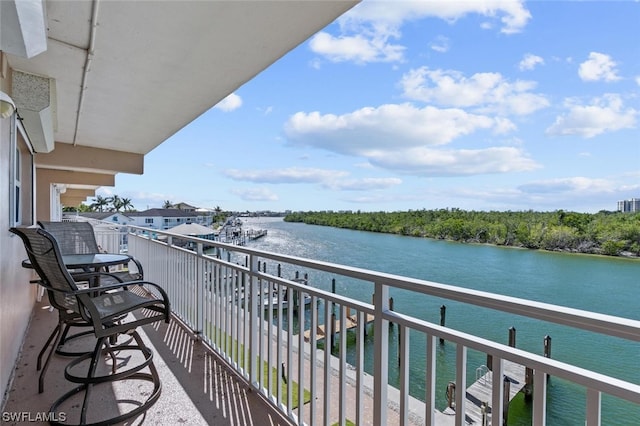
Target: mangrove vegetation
<point>606,233</point>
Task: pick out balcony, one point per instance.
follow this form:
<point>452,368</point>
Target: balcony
<point>228,360</point>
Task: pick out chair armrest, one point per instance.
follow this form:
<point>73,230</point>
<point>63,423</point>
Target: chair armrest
<point>138,265</point>
<point>116,286</point>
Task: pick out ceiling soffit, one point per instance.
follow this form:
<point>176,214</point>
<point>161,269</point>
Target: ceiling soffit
<point>131,74</point>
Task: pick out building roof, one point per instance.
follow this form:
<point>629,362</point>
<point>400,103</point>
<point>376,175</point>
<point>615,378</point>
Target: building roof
<point>100,215</point>
<point>192,229</point>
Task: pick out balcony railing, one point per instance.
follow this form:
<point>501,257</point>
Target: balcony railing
<point>222,297</point>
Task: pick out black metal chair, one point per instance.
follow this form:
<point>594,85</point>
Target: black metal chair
<point>109,309</point>
<point>79,238</point>
<point>76,238</point>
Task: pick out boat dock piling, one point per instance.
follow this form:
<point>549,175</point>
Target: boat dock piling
<point>478,395</point>
<point>337,327</point>
<point>516,378</point>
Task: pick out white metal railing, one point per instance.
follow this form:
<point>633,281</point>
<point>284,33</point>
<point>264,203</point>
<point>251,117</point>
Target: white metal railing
<point>221,297</point>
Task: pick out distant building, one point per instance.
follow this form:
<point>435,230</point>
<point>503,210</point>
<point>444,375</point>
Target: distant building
<point>162,218</point>
<point>629,206</point>
<point>116,218</point>
<point>184,207</point>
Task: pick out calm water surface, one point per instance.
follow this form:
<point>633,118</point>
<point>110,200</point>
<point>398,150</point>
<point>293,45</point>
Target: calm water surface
<point>593,283</point>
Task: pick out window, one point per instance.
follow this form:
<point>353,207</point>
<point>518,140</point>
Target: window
<point>148,220</point>
<point>21,178</point>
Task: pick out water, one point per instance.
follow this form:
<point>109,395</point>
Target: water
<point>593,283</point>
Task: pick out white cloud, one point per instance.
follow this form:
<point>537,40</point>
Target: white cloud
<point>582,185</point>
<point>289,175</point>
<point>365,184</point>
<point>604,114</point>
<point>529,62</point>
<point>330,179</point>
<point>638,80</point>
<point>598,67</point>
<point>255,194</point>
<point>440,44</point>
<point>569,193</point>
<point>356,48</point>
<point>386,16</point>
<point>367,30</point>
<point>462,162</point>
<point>489,92</point>
<point>387,127</point>
<point>230,103</point>
<point>398,137</point>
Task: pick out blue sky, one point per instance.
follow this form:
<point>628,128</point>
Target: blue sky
<point>478,105</point>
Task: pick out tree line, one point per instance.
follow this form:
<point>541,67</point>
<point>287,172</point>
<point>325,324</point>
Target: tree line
<point>606,233</point>
<point>104,204</point>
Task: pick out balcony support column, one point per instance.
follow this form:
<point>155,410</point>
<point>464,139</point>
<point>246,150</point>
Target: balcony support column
<point>381,354</point>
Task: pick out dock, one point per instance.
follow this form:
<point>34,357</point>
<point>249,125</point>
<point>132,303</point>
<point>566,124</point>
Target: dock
<point>254,234</point>
<point>351,323</point>
<point>480,391</point>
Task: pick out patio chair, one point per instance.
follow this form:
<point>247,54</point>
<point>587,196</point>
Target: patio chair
<point>109,309</point>
<point>79,238</point>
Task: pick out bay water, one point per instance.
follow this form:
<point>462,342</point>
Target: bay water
<point>593,283</point>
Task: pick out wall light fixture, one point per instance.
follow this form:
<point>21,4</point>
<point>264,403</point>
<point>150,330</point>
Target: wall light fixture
<point>7,106</point>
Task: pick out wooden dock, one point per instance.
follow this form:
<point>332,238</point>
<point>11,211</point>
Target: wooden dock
<point>480,391</point>
<point>351,323</point>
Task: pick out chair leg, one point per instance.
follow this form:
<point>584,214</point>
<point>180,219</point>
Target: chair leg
<point>56,342</point>
<point>101,349</point>
<point>46,345</point>
<point>91,373</point>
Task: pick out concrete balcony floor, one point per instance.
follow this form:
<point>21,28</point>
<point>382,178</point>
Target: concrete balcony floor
<point>197,386</point>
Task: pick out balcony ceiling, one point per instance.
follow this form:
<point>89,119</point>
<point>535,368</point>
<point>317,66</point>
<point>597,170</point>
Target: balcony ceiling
<point>128,75</point>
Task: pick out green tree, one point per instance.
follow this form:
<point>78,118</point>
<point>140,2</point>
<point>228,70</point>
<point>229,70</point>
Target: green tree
<point>116,203</point>
<point>99,203</point>
<point>126,205</point>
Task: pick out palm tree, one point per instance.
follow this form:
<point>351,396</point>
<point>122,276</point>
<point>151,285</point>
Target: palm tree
<point>167,204</point>
<point>99,203</point>
<point>116,203</point>
<point>126,204</point>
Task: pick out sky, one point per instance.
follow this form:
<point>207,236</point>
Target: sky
<point>396,106</point>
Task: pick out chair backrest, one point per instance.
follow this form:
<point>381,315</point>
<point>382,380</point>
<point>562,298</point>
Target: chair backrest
<point>72,237</point>
<point>45,257</point>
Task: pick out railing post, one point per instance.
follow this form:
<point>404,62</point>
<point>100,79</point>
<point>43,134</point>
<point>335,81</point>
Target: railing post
<point>539,412</point>
<point>199,291</point>
<point>381,354</point>
<point>497,392</point>
<point>254,326</point>
<point>461,384</point>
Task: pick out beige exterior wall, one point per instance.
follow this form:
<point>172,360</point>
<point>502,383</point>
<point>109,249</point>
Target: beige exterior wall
<point>17,296</point>
<point>46,177</point>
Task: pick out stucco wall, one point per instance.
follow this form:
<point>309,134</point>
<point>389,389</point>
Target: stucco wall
<point>17,296</point>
